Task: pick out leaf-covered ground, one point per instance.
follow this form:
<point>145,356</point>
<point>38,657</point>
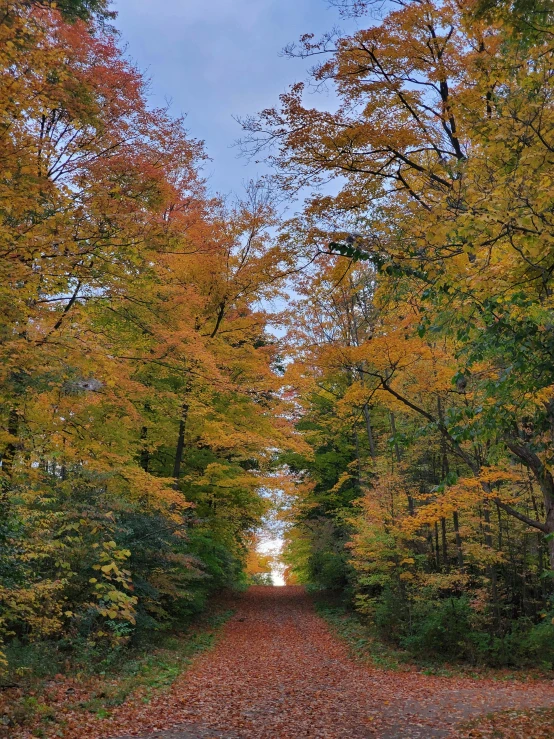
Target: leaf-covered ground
<point>278,672</point>
<point>535,724</point>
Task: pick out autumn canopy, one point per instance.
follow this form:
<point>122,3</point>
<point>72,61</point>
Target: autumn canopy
<point>376,370</point>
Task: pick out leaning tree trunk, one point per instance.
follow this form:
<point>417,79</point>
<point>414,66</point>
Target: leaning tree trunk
<point>544,478</point>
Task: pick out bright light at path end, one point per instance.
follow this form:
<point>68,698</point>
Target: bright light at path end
<point>274,547</point>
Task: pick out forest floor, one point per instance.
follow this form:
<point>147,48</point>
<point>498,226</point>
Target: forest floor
<point>278,672</point>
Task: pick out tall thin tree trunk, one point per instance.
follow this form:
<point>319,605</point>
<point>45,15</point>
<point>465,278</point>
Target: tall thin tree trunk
<point>144,453</point>
<point>551,549</point>
<point>411,507</point>
<point>7,463</point>
<point>358,458</point>
<point>11,447</point>
<point>491,569</point>
<point>393,429</point>
<point>459,551</point>
<point>370,438</point>
<point>180,443</point>
<point>499,514</point>
<point>444,543</point>
<point>430,541</point>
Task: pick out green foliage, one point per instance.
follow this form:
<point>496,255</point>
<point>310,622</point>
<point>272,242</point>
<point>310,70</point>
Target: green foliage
<point>435,632</point>
<point>538,642</point>
<point>150,666</point>
<point>108,575</point>
<point>439,630</point>
<point>525,15</point>
<point>450,630</point>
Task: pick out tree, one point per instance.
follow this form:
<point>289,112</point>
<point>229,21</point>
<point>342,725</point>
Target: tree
<point>439,140</point>
<point>435,256</point>
<point>141,412</point>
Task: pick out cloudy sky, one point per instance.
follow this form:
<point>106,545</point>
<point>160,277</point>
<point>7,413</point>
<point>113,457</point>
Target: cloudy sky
<point>215,59</point>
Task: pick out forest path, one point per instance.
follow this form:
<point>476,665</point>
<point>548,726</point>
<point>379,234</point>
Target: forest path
<point>278,672</point>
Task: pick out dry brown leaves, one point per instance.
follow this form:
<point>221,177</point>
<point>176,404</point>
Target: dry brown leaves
<point>537,724</point>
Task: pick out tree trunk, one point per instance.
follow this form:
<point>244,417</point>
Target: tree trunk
<point>7,463</point>
<point>411,507</point>
<point>393,429</point>
<point>358,458</point>
<point>444,542</point>
<point>9,454</point>
<point>180,443</point>
<point>459,551</point>
<point>367,417</point>
<point>550,541</point>
<point>430,542</point>
<point>546,483</point>
<point>491,569</point>
<point>144,454</point>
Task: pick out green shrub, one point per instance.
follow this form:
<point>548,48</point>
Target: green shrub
<point>448,630</point>
<point>329,570</point>
<point>391,614</point>
<point>539,642</point>
<point>440,629</point>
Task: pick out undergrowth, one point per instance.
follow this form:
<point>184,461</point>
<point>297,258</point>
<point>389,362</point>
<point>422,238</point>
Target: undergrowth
<point>366,642</point>
<point>37,671</point>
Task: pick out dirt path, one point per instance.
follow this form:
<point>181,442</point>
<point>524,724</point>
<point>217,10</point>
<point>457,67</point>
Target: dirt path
<point>277,673</point>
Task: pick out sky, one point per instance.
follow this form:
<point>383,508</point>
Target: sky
<point>214,60</point>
